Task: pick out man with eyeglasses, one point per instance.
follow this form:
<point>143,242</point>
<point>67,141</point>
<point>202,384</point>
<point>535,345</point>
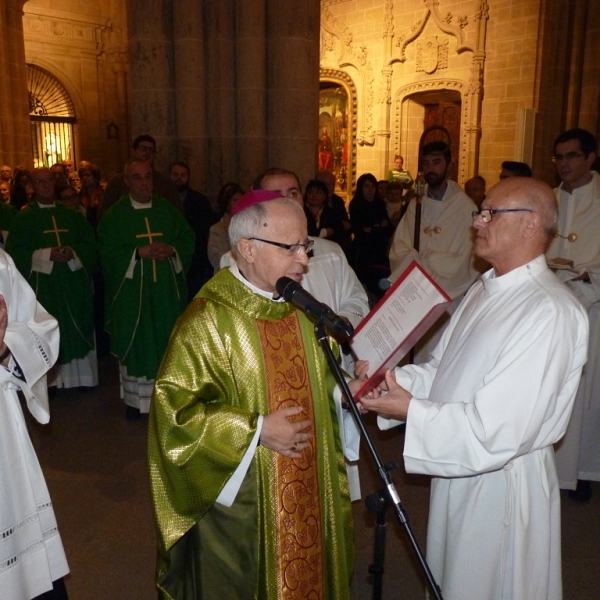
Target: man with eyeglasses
<point>483,414</point>
<point>54,247</point>
<point>574,254</point>
<point>245,449</point>
<point>327,276</point>
<point>445,237</point>
<point>144,148</point>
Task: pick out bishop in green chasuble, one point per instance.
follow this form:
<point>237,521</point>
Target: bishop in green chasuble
<point>237,356</point>
<point>63,288</point>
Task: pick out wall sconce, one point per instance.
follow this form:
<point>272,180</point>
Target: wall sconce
<point>112,131</point>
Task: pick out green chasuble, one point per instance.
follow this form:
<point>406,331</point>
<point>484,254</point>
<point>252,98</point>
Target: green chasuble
<point>66,294</point>
<point>143,305</point>
<point>235,355</point>
<point>7,213</point>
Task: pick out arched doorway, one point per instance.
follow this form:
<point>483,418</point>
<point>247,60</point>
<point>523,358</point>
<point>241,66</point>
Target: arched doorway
<point>428,116</point>
<point>52,117</point>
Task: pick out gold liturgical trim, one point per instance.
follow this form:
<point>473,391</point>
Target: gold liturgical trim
<point>298,511</point>
<point>56,231</point>
<point>150,235</point>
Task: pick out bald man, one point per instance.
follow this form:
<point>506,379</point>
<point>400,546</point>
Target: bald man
<point>482,415</point>
<point>475,189</point>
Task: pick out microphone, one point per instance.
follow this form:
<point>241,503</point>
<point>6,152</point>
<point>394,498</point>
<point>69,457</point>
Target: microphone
<point>293,292</point>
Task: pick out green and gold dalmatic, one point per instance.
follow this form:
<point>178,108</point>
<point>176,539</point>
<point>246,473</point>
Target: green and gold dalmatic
<point>235,355</point>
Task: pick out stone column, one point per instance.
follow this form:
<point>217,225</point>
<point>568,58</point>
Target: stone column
<point>190,87</point>
<point>293,85</point>
<point>590,81</point>
<point>251,90</point>
<point>15,133</point>
<point>576,50</point>
<point>219,20</point>
<point>150,81</point>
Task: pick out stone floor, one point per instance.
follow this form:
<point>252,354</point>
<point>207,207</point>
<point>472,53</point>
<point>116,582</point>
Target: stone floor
<point>95,465</point>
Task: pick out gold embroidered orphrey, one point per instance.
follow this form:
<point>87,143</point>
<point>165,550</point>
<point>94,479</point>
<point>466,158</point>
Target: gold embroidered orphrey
<point>298,512</point>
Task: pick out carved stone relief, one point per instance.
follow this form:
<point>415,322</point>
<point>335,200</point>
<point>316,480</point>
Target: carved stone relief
<point>64,30</point>
<point>349,54</point>
<point>432,54</point>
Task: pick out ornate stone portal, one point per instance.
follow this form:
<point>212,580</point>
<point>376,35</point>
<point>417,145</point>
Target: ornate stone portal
<point>430,52</point>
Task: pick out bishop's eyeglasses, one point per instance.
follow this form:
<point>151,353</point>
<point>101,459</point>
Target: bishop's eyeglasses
<point>486,213</point>
<point>291,248</point>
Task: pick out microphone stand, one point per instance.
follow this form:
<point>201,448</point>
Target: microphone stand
<point>383,470</point>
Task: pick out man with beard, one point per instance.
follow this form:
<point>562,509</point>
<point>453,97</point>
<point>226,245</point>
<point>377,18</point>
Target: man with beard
<point>574,254</point>
<point>200,217</point>
<point>446,240</point>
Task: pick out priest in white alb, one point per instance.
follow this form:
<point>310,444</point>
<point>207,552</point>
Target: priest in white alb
<point>574,255</point>
<point>32,558</point>
<point>445,239</point>
<point>483,414</point>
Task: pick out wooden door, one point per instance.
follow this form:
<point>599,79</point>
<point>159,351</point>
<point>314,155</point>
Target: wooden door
<point>442,122</point>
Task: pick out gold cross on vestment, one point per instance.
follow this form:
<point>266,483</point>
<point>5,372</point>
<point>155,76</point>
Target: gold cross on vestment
<point>56,231</point>
<point>149,235</point>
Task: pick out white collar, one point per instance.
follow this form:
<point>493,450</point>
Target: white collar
<point>53,205</point>
<point>235,271</point>
<point>139,205</point>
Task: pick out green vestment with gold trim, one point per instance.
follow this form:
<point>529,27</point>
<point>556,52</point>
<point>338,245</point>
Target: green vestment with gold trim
<point>211,388</point>
<point>142,308</point>
<point>66,294</point>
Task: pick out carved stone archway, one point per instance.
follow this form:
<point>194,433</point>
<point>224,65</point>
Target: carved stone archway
<point>409,146</point>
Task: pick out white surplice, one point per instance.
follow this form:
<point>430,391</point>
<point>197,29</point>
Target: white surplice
<point>487,408</point>
<point>31,551</point>
<point>578,453</point>
<point>445,251</point>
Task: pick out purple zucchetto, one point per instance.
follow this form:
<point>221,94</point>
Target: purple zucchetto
<point>254,197</point>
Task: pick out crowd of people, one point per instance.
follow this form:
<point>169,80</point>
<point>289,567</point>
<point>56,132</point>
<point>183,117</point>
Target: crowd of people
<point>252,453</point>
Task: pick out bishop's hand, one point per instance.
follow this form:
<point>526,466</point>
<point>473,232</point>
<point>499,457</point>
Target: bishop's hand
<point>280,434</point>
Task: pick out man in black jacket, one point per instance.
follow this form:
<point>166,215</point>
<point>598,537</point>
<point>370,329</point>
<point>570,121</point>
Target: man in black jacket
<point>200,216</point>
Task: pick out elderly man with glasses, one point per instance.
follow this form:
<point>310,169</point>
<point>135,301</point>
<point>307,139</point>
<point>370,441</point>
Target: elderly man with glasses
<point>247,472</point>
<point>483,414</point>
<point>575,256</point>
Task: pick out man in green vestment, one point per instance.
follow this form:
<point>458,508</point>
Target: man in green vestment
<point>7,214</point>
<point>246,459</point>
<point>145,247</point>
<point>54,248</point>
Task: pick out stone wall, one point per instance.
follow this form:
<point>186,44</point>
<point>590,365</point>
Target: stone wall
<point>83,45</point>
<point>524,69</point>
<point>230,86</point>
<point>15,138</point>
